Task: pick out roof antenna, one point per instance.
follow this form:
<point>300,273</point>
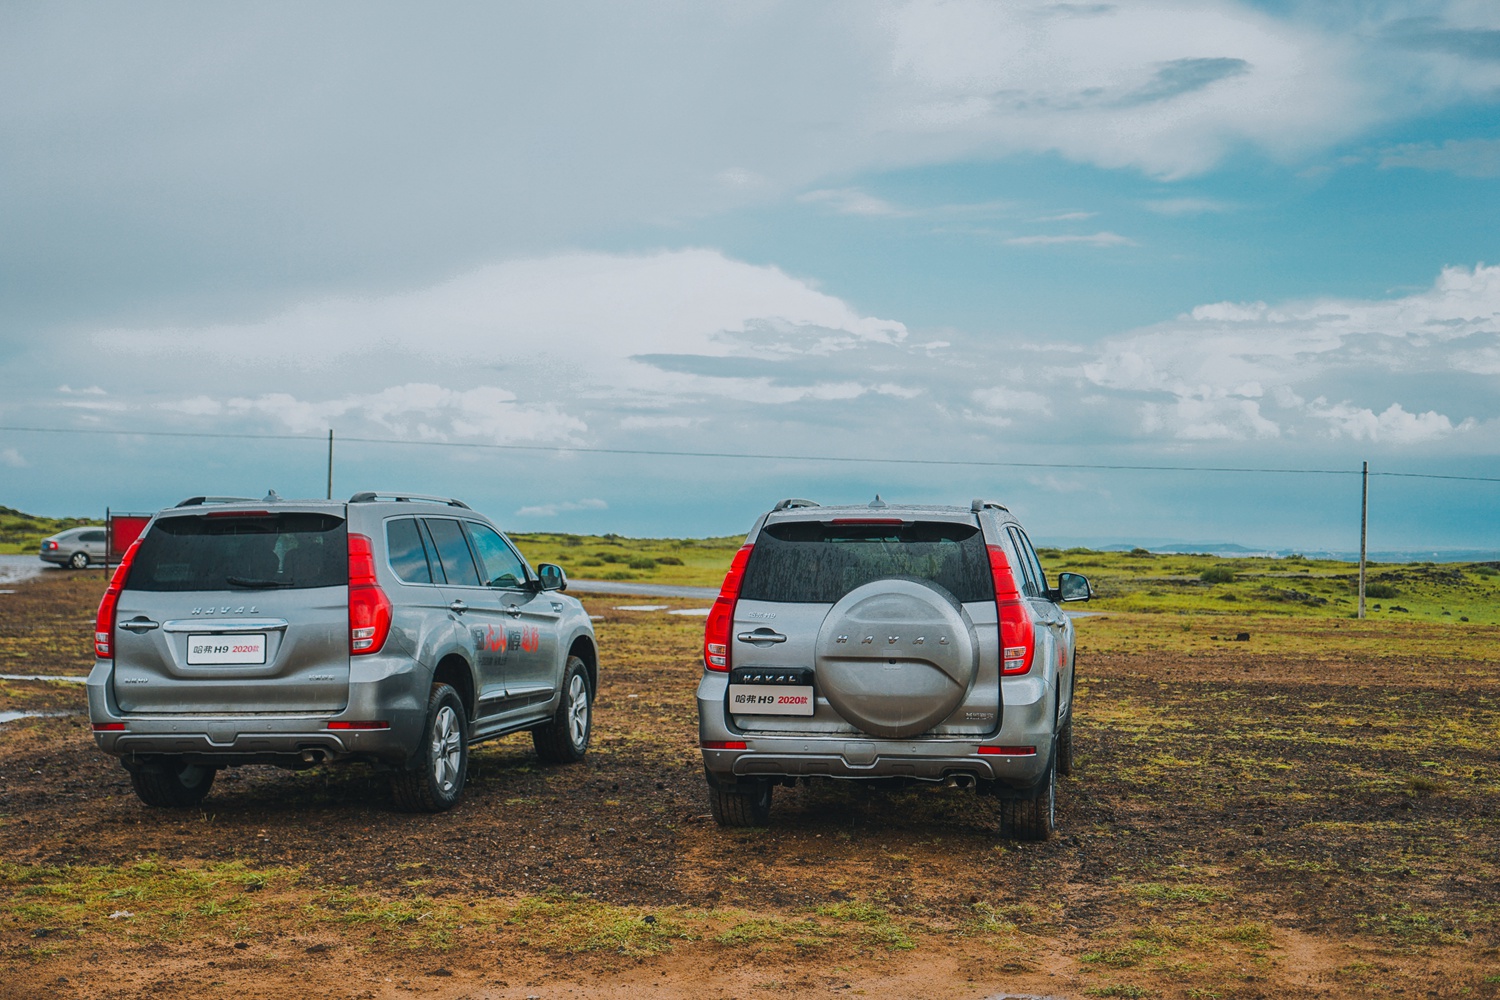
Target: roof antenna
<point>877,502</point>
<point>271,497</point>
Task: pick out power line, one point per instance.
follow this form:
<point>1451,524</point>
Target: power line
<point>752,456</point>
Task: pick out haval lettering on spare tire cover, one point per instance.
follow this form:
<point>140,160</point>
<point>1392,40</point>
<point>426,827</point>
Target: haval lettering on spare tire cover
<point>392,629</point>
<point>891,643</point>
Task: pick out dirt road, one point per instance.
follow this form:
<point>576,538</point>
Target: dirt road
<point>1313,812</point>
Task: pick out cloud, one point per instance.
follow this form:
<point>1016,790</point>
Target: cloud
<point>1067,217</point>
<point>849,201</point>
<point>1464,157</point>
<point>553,509</point>
<point>1100,239</point>
<point>92,390</point>
<point>12,458</point>
<point>1393,425</point>
<point>1186,206</point>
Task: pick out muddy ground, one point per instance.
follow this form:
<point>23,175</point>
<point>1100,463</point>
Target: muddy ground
<point>1314,812</point>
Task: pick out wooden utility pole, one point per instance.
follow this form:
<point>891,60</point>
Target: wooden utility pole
<point>1364,527</point>
<point>330,496</point>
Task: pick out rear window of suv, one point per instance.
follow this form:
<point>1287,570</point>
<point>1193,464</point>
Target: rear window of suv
<point>225,551</point>
<point>811,562</point>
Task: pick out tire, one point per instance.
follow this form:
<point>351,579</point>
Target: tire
<point>78,560</point>
<point>1065,748</point>
<point>747,804</point>
<point>173,785</point>
<point>435,782</point>
<point>1033,818</point>
<point>564,739</point>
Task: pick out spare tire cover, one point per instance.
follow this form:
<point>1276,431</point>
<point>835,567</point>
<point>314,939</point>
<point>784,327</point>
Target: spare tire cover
<point>896,656</point>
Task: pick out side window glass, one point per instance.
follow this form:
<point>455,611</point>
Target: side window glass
<point>1029,584</point>
<point>502,567</point>
<point>453,551</point>
<point>407,553</point>
<point>92,536</point>
<point>1036,564</point>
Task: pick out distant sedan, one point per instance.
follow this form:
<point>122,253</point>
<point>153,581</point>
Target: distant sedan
<point>74,548</point>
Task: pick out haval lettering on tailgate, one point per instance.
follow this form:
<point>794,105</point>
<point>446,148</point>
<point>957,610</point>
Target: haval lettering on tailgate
<point>391,629</point>
<point>900,644</point>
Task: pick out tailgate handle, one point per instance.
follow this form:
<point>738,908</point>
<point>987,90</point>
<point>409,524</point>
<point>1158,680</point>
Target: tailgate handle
<point>139,625</point>
<point>761,635</point>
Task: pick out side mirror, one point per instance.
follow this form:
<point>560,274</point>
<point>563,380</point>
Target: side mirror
<point>1073,587</point>
<point>552,577</point>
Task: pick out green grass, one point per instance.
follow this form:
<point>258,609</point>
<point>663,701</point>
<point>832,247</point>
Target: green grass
<point>22,533</point>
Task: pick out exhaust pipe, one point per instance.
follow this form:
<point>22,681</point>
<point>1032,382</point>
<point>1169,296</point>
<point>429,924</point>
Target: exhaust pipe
<point>959,781</point>
<point>312,756</point>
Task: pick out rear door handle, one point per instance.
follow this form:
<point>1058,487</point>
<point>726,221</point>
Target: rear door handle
<point>514,610</point>
<point>764,635</point>
<point>458,607</point>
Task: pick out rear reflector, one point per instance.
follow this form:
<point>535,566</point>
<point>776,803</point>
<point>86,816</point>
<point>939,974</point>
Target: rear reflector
<point>109,727</point>
<point>1007,751</point>
<point>723,745</point>
<point>381,724</point>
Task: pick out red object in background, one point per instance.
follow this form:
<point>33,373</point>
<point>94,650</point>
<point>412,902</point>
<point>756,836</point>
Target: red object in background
<point>124,529</point>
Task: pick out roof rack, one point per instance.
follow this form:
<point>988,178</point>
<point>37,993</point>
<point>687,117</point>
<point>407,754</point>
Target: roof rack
<point>406,498</point>
<point>200,501</point>
<point>978,505</point>
<point>791,503</point>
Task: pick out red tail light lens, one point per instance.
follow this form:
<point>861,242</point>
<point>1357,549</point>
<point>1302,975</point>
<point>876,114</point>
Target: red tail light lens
<point>104,621</point>
<point>716,632</point>
<point>723,745</point>
<point>49,546</point>
<point>369,608</point>
<point>1007,751</point>
<point>1017,635</point>
<point>360,725</point>
<point>109,727</point>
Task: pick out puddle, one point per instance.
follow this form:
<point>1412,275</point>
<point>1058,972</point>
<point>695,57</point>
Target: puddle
<point>13,716</point>
<point>58,678</point>
<point>690,611</point>
<point>15,568</point>
<point>643,607</point>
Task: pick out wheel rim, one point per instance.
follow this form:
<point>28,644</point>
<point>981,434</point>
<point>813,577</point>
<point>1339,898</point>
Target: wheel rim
<point>447,749</point>
<point>79,560</point>
<point>578,711</point>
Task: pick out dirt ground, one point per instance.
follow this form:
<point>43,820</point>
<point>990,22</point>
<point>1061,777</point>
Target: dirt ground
<point>1312,812</point>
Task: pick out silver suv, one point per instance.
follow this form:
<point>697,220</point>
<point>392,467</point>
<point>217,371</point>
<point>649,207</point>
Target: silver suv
<point>897,643</point>
<point>392,629</point>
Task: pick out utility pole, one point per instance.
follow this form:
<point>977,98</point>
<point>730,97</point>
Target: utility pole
<point>1364,527</point>
<point>330,496</point>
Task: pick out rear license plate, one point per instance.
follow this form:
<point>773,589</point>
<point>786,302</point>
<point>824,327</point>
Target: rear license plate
<point>227,648</point>
<point>770,699</point>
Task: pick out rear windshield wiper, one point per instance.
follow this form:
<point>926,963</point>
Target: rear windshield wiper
<point>239,581</point>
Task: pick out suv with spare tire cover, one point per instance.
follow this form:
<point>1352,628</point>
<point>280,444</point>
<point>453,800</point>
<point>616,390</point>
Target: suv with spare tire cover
<point>889,643</point>
<point>393,629</point>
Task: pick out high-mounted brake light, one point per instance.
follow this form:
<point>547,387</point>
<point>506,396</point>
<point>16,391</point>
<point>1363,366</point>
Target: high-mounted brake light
<point>238,513</point>
<point>104,621</point>
<point>369,608</point>
<point>1017,634</point>
<point>720,622</point>
<point>867,520</point>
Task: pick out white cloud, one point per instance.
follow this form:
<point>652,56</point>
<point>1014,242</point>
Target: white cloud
<point>1100,239</point>
<point>1186,206</point>
<point>1394,425</point>
<point>1464,157</point>
<point>92,390</point>
<point>553,509</point>
<point>12,458</point>
<point>1068,217</point>
<point>849,201</point>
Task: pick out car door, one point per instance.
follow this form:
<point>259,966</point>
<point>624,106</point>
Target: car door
<point>1049,613</point>
<point>93,543</point>
<point>532,664</point>
<point>476,607</point>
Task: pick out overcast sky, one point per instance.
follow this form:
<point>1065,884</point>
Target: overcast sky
<point>1195,234</point>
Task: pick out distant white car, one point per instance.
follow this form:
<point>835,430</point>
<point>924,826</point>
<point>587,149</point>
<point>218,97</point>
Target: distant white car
<point>75,548</point>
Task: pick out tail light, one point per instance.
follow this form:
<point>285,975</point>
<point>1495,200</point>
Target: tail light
<point>716,632</point>
<point>369,608</point>
<point>49,546</point>
<point>723,745</point>
<point>104,621</point>
<point>1017,636</point>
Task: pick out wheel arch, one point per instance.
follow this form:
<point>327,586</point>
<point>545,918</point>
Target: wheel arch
<point>583,647</point>
<point>455,671</point>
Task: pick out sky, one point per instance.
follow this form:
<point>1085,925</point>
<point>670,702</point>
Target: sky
<point>855,240</point>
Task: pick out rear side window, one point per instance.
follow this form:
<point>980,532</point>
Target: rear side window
<point>91,536</point>
<point>453,551</point>
<point>224,551</point>
<point>407,553</point>
<point>808,562</point>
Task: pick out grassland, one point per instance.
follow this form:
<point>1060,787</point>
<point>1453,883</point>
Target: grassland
<point>21,533</point>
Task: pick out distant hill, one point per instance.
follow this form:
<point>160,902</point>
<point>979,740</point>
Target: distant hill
<point>22,532</point>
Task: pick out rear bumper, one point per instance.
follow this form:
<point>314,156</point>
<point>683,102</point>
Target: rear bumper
<point>383,690</point>
<point>1027,721</point>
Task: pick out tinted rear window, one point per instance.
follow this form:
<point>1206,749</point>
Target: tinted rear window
<point>806,562</point>
<point>275,552</point>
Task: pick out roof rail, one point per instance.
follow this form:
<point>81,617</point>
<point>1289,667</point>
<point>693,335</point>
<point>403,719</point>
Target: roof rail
<point>370,497</point>
<point>979,505</point>
<point>200,501</point>
<point>792,502</point>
